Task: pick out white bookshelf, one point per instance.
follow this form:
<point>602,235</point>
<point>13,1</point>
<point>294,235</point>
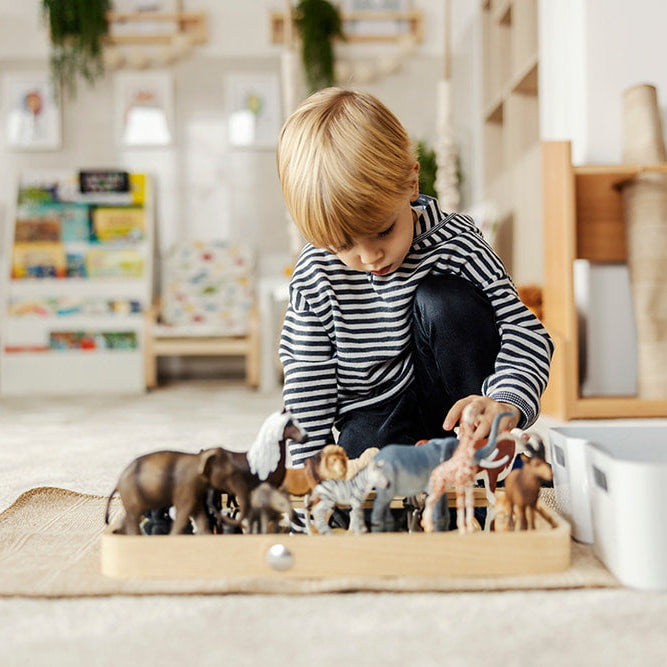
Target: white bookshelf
<point>511,132</point>
<point>104,315</point>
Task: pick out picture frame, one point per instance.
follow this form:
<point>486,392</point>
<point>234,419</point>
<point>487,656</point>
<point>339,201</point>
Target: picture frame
<point>252,102</point>
<point>32,112</point>
<point>144,108</point>
<point>377,5</point>
<point>373,27</point>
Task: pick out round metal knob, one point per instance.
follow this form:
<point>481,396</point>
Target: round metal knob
<point>279,557</point>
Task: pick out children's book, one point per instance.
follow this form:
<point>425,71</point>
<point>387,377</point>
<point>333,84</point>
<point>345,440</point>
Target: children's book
<point>118,224</point>
<point>76,265</point>
<point>107,263</point>
<point>35,229</point>
<point>38,260</point>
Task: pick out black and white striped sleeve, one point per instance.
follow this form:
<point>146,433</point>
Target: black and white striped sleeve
<point>522,366</point>
<point>309,364</point>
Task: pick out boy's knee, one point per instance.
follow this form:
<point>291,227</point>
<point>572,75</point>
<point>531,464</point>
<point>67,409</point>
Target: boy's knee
<point>450,299</point>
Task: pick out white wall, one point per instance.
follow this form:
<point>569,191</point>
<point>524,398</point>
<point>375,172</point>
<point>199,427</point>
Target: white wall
<point>590,52</point>
<point>205,189</point>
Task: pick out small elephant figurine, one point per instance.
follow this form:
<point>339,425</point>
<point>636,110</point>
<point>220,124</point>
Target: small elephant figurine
<point>166,478</point>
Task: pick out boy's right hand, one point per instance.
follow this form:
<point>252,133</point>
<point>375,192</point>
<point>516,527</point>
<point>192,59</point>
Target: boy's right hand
<point>487,409</point>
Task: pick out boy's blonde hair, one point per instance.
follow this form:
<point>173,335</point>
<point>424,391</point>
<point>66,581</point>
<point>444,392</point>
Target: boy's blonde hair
<point>344,161</point>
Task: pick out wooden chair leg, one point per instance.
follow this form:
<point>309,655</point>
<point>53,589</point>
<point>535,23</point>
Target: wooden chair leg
<point>150,360</point>
<point>253,353</point>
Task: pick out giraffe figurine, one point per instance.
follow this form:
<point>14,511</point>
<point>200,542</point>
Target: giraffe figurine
<point>460,471</point>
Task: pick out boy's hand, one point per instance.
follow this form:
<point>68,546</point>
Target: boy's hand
<point>487,408</point>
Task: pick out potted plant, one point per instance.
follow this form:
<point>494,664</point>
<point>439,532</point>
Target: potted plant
<point>318,23</point>
<point>77,28</point>
<point>427,169</point>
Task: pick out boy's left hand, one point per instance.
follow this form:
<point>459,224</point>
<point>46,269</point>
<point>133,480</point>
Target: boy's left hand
<point>487,409</point>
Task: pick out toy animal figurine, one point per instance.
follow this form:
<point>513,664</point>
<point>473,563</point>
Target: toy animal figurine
<point>355,465</point>
<point>459,470</point>
<point>502,512</point>
<point>408,469</point>
<point>352,492</point>
<point>329,463</point>
<point>268,506</point>
<point>266,456</point>
<point>495,465</point>
<point>264,461</point>
<point>522,486</point>
<point>166,478</point>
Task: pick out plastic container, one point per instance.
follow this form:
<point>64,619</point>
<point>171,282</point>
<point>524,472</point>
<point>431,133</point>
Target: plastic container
<point>568,462</point>
<point>626,492</point>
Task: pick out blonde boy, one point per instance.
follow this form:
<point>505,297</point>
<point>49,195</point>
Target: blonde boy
<point>400,315</point>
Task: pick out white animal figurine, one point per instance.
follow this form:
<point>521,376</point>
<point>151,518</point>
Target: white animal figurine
<point>352,492</point>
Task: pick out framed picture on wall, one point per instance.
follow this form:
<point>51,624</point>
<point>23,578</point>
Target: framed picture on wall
<point>252,101</point>
<point>32,112</point>
<point>144,109</point>
<point>375,26</point>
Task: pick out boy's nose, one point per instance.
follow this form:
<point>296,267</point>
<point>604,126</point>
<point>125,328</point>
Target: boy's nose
<point>370,254</point>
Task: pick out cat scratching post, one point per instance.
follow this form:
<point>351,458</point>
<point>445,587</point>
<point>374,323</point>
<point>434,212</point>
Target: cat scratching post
<point>645,202</point>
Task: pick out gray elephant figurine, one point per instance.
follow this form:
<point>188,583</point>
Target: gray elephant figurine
<point>166,478</point>
<point>408,469</point>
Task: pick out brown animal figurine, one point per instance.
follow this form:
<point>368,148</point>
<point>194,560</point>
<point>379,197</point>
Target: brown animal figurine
<point>496,466</point>
<point>329,463</point>
<point>266,457</point>
<point>264,461</point>
<point>166,478</point>
<point>522,487</point>
<point>268,505</point>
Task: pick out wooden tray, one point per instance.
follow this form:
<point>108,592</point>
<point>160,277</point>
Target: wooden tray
<point>546,549</point>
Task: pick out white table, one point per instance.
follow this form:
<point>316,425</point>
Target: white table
<point>272,293</point>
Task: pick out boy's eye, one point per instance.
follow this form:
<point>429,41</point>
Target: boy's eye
<point>343,248</point>
<point>386,232</point>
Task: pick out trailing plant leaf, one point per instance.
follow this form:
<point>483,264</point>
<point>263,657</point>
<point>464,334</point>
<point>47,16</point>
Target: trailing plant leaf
<point>77,28</point>
<point>428,168</point>
<point>318,23</point>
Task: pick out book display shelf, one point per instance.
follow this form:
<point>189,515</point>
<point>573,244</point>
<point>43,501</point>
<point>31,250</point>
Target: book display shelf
<point>79,256</point>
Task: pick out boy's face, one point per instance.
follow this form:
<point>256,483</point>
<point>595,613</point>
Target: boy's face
<point>383,252</point>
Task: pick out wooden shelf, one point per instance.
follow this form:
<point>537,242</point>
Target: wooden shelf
<point>494,113</point>
<point>192,24</point>
<point>502,12</point>
<point>583,219</point>
<point>526,80</point>
<point>413,18</point>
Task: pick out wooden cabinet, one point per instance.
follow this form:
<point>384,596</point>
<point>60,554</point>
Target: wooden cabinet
<point>511,136</point>
<point>583,219</point>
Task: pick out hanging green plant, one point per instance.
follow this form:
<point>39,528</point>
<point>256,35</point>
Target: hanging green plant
<point>77,28</point>
<point>318,23</point>
<point>428,168</point>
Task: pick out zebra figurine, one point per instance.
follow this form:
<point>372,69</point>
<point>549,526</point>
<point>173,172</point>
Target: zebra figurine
<point>352,492</point>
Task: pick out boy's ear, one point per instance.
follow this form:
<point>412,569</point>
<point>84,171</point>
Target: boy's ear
<point>415,189</point>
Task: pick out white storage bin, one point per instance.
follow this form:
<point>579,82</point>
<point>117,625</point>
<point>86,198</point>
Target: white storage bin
<point>568,462</point>
<point>626,487</point>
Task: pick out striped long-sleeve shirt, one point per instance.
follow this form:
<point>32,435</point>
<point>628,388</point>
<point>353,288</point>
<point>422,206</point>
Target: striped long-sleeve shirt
<point>346,339</point>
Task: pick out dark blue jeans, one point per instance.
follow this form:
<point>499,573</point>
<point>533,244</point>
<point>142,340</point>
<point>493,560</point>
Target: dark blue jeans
<point>455,344</point>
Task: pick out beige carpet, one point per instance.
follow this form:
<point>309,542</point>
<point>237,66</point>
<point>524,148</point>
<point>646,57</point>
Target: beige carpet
<point>50,547</point>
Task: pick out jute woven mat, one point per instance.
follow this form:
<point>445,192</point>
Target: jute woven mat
<point>50,547</point>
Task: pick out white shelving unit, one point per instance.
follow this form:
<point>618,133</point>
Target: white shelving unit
<point>511,132</point>
<point>104,315</point>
